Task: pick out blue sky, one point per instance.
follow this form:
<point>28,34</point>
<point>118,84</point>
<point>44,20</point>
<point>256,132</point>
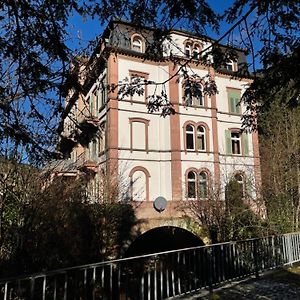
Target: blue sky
<point>87,29</point>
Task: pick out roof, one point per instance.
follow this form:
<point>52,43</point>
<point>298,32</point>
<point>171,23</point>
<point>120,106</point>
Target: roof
<point>175,30</point>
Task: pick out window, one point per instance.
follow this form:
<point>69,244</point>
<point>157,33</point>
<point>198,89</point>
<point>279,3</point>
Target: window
<point>234,97</point>
<point>231,66</point>
<point>103,93</point>
<point>197,184</point>
<point>188,50</point>
<point>188,97</point>
<point>139,186</point>
<point>93,149</point>
<point>191,186</point>
<point>138,81</point>
<point>196,136</point>
<point>196,51</point>
<point>139,134</point>
<point>236,142</point>
<point>139,183</point>
<point>199,99</point>
<point>190,137</point>
<point>100,96</point>
<point>201,138</point>
<point>193,93</point>
<point>137,43</point>
<point>203,185</point>
<point>101,144</point>
<point>192,49</point>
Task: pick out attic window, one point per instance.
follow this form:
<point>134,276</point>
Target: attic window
<point>137,43</point>
<point>188,50</point>
<point>231,66</point>
<point>196,51</point>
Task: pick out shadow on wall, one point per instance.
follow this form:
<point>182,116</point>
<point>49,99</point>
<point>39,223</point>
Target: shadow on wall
<point>163,239</point>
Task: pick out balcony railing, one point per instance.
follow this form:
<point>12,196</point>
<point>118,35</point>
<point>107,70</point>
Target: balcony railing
<point>160,275</point>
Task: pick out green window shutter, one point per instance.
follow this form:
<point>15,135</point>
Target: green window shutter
<point>246,143</point>
<point>228,141</point>
<point>234,99</point>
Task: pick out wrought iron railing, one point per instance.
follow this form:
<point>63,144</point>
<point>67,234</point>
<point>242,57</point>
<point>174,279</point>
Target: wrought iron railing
<point>160,275</point>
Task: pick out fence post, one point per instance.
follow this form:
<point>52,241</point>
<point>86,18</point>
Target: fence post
<point>288,238</point>
<point>255,250</point>
<point>210,268</point>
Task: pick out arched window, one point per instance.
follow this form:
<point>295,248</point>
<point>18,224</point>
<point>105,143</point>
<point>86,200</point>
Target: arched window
<point>191,185</point>
<point>138,186</point>
<point>201,138</point>
<point>196,51</point>
<point>139,182</point>
<point>188,50</point>
<point>137,43</point>
<point>196,136</point>
<point>230,65</point>
<point>193,92</point>
<point>203,185</point>
<point>188,96</point>
<point>199,99</point>
<point>190,137</point>
<point>197,184</point>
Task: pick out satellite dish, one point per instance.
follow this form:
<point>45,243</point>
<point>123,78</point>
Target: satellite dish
<point>160,204</point>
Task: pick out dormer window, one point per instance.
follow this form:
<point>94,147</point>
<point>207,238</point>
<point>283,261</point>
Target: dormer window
<point>196,51</point>
<point>137,43</point>
<point>192,49</point>
<point>188,50</point>
<point>231,66</point>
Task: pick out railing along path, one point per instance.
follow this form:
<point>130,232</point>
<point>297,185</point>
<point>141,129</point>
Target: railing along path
<point>160,275</point>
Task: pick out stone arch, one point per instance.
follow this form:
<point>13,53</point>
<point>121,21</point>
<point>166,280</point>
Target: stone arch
<point>163,238</point>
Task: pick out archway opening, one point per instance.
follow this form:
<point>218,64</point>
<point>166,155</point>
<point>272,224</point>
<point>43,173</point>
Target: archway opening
<point>163,239</point>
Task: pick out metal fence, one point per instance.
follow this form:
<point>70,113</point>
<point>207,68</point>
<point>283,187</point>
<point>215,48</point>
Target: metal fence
<point>160,275</point>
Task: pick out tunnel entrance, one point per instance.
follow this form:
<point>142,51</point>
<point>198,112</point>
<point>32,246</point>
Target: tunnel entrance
<point>163,239</point>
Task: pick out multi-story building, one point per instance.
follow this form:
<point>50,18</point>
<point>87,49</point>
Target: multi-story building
<point>181,156</point>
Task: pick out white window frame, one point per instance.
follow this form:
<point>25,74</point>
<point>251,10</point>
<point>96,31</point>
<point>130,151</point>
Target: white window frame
<point>195,184</point>
<point>203,181</point>
<point>196,52</point>
<point>203,135</point>
<point>236,139</point>
<point>188,50</point>
<point>137,44</point>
